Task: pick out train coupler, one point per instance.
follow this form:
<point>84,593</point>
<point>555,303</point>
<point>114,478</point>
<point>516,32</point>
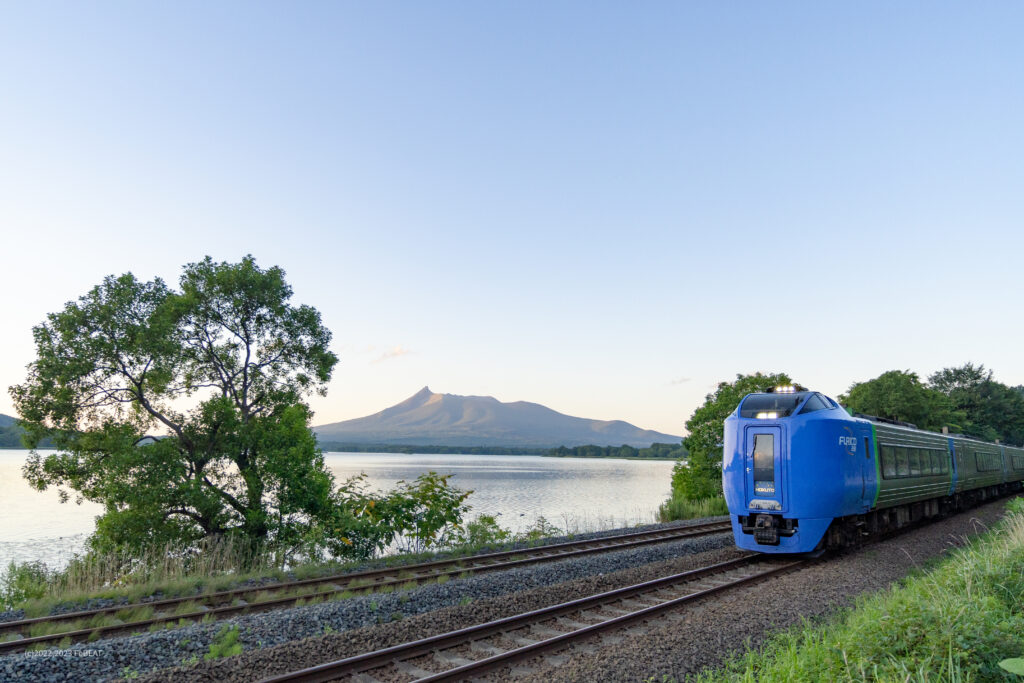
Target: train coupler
<point>766,529</point>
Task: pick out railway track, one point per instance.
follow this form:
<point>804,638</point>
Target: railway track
<point>471,652</point>
<point>89,625</point>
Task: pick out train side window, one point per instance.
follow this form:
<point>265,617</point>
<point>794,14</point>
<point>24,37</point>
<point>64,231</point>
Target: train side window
<point>913,454</point>
<point>902,464</point>
<point>888,462</point>
<point>987,462</point>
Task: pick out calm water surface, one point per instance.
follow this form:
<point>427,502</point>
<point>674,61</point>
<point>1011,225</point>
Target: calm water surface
<point>573,493</point>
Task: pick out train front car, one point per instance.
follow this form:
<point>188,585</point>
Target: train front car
<point>793,461</point>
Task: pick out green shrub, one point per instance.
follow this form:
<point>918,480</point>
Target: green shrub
<point>678,507</point>
<point>484,530</point>
<point>541,528</point>
<point>225,643</point>
<point>21,582</point>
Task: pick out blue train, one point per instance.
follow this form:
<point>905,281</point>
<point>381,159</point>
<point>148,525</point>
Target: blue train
<point>801,474</point>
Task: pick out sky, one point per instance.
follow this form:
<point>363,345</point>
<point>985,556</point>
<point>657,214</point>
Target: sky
<point>603,207</point>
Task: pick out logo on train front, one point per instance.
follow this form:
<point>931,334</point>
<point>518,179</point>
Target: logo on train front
<point>849,442</point>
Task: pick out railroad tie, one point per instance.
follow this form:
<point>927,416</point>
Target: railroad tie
<point>485,648</point>
<point>569,623</point>
<point>450,659</point>
<point>522,670</point>
<point>615,610</point>
<point>523,640</point>
<point>545,631</point>
<point>411,669</point>
<point>637,604</point>
<point>556,660</point>
<point>363,678</point>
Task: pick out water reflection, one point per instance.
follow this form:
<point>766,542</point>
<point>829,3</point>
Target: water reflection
<point>569,492</point>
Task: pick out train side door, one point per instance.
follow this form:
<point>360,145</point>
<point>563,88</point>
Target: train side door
<point>763,463</point>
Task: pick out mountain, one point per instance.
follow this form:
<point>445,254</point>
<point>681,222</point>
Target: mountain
<point>426,418</point>
<point>6,420</point>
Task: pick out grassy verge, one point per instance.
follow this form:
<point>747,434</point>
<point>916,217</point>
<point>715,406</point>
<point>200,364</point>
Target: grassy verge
<point>678,507</point>
<point>956,622</point>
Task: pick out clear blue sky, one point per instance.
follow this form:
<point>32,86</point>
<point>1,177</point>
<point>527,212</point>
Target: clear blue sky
<point>602,207</point>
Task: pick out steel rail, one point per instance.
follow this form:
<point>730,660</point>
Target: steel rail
<point>387,656</point>
<point>558,642</point>
<point>390,576</point>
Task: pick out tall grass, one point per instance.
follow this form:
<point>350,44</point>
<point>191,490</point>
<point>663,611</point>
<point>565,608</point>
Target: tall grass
<point>678,507</point>
<point>169,563</point>
<point>177,571</point>
<point>954,623</point>
<point>171,569</point>
<point>174,571</point>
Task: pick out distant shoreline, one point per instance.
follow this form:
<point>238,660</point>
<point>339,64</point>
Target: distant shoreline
<point>656,451</point>
<point>454,451</point>
<point>536,455</point>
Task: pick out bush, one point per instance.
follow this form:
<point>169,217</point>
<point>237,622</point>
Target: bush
<point>21,582</point>
<point>678,507</point>
<point>225,643</point>
<point>541,528</point>
<point>484,530</point>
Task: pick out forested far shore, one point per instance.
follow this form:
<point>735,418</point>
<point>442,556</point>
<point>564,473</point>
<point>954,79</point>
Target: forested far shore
<point>656,451</point>
<point>10,438</point>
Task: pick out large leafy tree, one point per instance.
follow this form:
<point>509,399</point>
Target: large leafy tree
<point>900,395</point>
<point>701,475</point>
<point>217,371</point>
<point>990,409</point>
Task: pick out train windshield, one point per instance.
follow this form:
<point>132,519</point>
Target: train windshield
<point>773,405</point>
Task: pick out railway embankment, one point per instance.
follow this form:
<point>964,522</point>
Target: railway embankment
<point>58,600</point>
<point>747,632</point>
<point>955,622</point>
<point>362,622</point>
<point>913,570</point>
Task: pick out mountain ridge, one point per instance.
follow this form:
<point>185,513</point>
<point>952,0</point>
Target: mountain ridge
<point>450,419</point>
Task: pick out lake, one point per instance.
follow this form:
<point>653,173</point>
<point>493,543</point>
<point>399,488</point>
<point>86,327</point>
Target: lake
<point>572,493</point>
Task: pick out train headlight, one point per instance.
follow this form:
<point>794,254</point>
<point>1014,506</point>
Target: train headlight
<point>768,416</point>
<point>785,390</point>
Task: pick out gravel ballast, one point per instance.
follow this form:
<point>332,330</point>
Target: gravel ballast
<point>392,561</point>
<point>112,658</point>
<point>720,626</point>
<point>701,637</point>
